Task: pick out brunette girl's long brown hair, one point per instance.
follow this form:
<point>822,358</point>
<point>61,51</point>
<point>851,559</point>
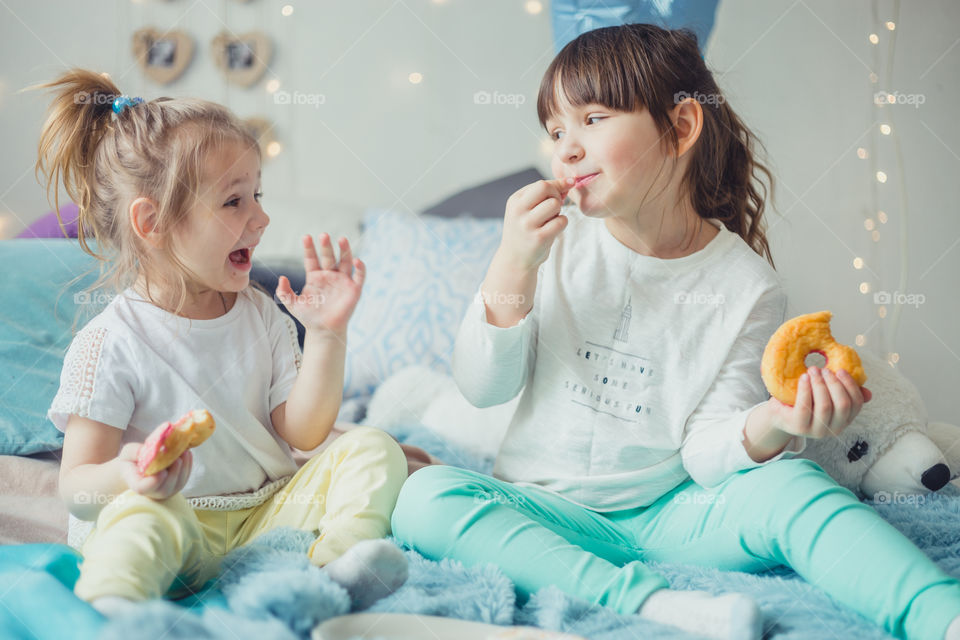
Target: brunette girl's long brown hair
<point>642,66</point>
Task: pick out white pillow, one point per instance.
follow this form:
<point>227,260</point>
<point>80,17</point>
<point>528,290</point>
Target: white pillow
<point>422,271</point>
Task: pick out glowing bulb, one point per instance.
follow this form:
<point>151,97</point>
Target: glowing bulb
<point>881,176</point>
<point>862,153</point>
<point>894,358</point>
<point>873,78</point>
<point>858,263</point>
<point>533,7</point>
<point>864,287</point>
<point>274,149</point>
<point>891,98</point>
<point>882,217</point>
<point>273,85</point>
<point>287,10</point>
<point>882,311</point>
<point>891,26</point>
<point>875,236</point>
<point>415,78</point>
<point>885,129</point>
<point>874,38</point>
<point>861,340</point>
<point>868,224</point>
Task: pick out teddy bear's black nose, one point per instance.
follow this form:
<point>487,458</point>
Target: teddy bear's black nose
<point>936,477</point>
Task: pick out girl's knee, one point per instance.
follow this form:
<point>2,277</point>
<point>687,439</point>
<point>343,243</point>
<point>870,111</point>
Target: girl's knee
<point>378,445</point>
<point>421,501</point>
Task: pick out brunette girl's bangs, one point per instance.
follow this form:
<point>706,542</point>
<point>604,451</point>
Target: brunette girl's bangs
<point>594,69</point>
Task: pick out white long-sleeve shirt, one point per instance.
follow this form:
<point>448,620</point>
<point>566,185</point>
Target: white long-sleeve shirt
<point>637,372</point>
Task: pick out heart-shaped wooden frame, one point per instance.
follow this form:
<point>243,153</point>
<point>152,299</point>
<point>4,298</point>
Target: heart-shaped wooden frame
<point>242,58</point>
<point>262,129</point>
<point>162,55</point>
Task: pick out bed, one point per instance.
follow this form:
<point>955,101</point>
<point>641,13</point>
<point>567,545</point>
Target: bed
<point>267,591</point>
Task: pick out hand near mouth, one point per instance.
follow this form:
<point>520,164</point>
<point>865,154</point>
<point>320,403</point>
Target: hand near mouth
<point>332,287</point>
<point>532,222</point>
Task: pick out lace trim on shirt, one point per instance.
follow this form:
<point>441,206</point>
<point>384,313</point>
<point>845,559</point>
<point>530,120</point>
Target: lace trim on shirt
<point>237,501</point>
<point>80,364</point>
<point>292,329</point>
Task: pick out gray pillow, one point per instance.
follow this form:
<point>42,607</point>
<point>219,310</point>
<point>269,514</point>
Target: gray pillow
<point>484,200</point>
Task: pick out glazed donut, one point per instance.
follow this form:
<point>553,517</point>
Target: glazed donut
<point>169,440</point>
<point>784,359</point>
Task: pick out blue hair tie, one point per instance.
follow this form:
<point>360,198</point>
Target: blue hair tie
<point>124,101</point>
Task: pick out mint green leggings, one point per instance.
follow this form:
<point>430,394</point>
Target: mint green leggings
<point>789,512</point>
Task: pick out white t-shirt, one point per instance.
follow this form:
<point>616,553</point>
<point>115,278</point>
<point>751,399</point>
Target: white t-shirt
<point>135,366</point>
<point>637,372</point>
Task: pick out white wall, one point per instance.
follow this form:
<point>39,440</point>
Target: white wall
<point>797,72</point>
<point>799,75</point>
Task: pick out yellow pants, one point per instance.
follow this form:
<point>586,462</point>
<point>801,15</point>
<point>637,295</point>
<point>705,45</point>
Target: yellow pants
<point>141,546</point>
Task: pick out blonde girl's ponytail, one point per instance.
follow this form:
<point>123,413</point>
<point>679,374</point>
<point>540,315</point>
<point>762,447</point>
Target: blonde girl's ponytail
<point>79,117</point>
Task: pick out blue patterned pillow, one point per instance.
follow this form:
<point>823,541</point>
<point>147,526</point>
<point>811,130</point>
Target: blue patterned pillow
<point>422,271</point>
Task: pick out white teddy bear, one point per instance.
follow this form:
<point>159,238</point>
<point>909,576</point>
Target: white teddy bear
<point>890,449</point>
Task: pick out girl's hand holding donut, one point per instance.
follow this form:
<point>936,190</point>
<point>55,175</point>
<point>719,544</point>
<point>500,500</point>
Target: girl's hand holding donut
<point>826,404</point>
<point>332,288</point>
<point>532,222</point>
<point>161,485</point>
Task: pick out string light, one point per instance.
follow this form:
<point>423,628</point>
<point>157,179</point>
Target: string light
<point>287,10</point>
<point>881,177</point>
<point>874,38</point>
<point>415,78</point>
<point>533,7</point>
<point>858,263</point>
<point>885,129</point>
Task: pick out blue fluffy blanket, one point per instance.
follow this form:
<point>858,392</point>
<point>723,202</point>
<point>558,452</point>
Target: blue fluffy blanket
<point>268,589</point>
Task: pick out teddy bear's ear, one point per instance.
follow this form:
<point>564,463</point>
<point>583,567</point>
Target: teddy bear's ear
<point>947,437</point>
